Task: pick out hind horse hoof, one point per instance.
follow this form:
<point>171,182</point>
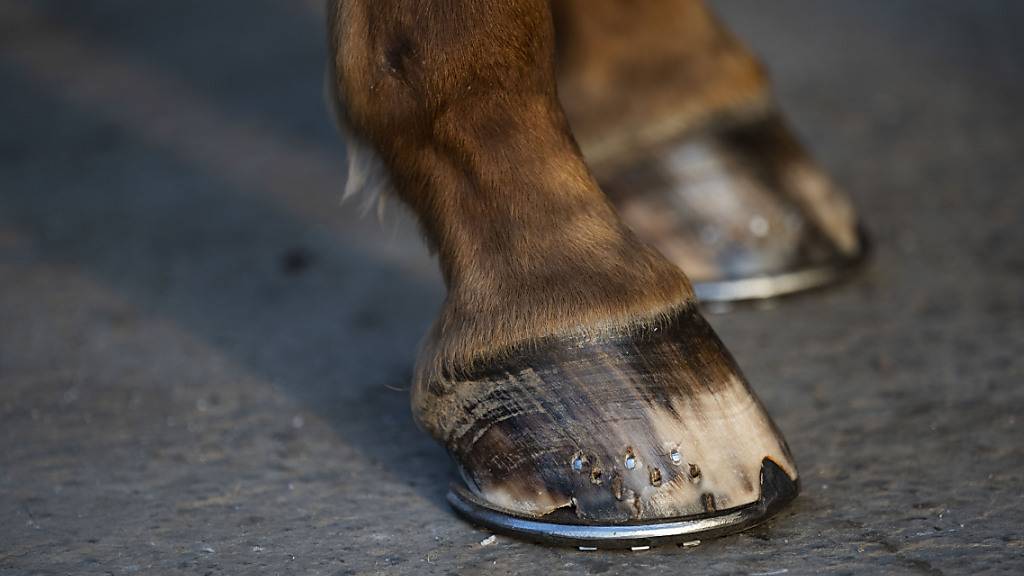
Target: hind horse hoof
<point>742,209</point>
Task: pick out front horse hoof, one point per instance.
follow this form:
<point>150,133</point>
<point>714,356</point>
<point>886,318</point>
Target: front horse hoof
<point>742,209</point>
<point>634,437</point>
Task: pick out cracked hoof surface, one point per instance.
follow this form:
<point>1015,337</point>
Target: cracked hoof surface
<point>643,425</point>
<point>742,209</point>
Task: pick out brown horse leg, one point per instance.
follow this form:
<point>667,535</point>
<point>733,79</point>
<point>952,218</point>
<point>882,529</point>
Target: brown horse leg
<point>675,117</point>
<point>568,374</point>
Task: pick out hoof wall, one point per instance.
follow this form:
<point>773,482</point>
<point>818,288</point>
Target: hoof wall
<point>765,286</point>
<point>777,489</point>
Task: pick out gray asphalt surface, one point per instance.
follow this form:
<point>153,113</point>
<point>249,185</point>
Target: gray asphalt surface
<point>204,357</point>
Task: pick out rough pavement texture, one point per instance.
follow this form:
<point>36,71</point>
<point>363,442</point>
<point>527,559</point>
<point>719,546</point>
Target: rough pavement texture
<point>203,357</point>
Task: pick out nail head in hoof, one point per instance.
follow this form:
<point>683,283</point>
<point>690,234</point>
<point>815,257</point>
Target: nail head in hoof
<point>579,462</point>
<point>630,461</point>
<point>694,472</point>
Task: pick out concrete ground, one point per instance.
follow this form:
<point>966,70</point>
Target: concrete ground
<point>204,358</point>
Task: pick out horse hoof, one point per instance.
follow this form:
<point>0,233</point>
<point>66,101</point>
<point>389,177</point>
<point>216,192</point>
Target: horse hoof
<point>636,437</point>
<point>742,209</point>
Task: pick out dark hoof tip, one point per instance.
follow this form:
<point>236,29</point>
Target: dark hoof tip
<point>777,489</point>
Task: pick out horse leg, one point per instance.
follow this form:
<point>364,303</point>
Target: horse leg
<point>676,119</point>
<point>569,373</point>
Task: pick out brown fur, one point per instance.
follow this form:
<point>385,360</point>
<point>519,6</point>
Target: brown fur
<point>634,74</point>
<point>458,98</point>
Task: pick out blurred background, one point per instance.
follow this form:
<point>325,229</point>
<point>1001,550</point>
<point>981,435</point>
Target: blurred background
<point>205,357</point>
